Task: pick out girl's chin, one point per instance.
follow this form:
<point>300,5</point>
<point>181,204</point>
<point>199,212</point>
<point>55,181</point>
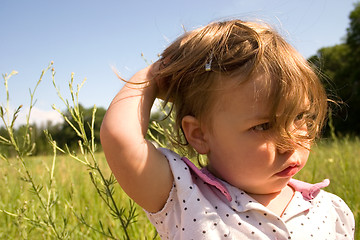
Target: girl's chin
<point>271,190</point>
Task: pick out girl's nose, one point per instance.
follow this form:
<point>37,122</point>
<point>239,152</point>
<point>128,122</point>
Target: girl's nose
<point>285,149</point>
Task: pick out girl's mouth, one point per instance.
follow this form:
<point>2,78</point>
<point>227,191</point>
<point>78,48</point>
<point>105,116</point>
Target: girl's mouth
<point>289,171</point>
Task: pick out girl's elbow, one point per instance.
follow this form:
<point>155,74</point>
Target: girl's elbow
<point>113,138</point>
<point>107,134</point>
<point>103,133</point>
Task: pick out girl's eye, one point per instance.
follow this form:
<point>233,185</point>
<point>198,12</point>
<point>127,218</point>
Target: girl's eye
<point>300,116</point>
<point>261,127</point>
<point>300,119</point>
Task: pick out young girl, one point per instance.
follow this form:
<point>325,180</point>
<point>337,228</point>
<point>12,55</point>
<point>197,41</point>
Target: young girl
<point>249,102</point>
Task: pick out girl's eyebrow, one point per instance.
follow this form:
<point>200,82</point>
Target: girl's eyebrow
<point>257,118</point>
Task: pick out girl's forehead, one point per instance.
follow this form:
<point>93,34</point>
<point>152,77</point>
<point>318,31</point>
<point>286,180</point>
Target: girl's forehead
<point>258,87</point>
<point>254,94</point>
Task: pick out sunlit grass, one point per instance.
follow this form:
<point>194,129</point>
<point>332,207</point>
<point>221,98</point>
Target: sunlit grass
<point>76,195</point>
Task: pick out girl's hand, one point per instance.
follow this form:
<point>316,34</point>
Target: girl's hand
<point>148,78</point>
<point>161,84</point>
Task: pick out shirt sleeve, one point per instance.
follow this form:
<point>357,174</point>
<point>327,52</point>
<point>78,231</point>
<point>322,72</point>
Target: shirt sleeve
<point>193,206</point>
<point>168,221</point>
<point>345,223</point>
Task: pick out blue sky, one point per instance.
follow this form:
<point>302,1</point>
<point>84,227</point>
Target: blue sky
<point>88,37</point>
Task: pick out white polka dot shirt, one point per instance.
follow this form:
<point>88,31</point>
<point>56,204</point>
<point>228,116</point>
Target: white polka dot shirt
<point>201,206</point>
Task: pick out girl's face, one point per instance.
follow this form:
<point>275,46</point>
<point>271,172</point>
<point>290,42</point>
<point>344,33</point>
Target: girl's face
<point>240,148</point>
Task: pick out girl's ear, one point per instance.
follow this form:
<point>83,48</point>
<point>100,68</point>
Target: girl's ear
<point>194,134</point>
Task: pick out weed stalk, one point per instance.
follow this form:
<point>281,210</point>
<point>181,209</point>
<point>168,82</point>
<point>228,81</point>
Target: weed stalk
<point>104,186</point>
<point>23,148</point>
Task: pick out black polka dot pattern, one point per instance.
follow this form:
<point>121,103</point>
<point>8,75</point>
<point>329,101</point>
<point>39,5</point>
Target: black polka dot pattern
<point>195,210</point>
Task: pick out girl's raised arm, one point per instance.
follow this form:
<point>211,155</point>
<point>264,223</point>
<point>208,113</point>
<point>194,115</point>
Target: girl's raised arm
<point>141,170</point>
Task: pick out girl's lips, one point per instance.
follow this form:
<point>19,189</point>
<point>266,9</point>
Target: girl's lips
<point>288,172</point>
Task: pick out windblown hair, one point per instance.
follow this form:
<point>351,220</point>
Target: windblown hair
<point>244,49</point>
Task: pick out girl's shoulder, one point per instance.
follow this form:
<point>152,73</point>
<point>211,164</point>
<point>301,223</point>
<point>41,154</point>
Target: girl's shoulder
<point>328,204</point>
<point>345,221</point>
<point>339,205</point>
<point>192,199</point>
<point>315,192</point>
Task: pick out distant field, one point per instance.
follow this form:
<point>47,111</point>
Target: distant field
<point>337,160</point>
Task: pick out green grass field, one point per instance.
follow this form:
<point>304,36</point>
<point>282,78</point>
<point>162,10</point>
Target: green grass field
<point>21,215</point>
<point>76,196</point>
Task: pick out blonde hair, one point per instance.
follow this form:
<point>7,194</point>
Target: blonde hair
<point>196,62</point>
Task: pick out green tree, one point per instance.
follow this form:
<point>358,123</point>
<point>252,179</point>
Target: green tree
<point>340,72</point>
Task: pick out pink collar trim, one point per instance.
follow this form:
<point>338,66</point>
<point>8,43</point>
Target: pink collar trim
<point>207,177</point>
<point>309,191</point>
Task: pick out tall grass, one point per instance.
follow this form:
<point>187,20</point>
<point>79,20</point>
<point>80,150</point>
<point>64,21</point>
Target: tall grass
<point>73,195</point>
<point>77,201</point>
<point>43,200</point>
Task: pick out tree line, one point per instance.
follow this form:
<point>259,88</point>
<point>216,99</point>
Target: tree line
<point>339,69</point>
<point>62,133</point>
